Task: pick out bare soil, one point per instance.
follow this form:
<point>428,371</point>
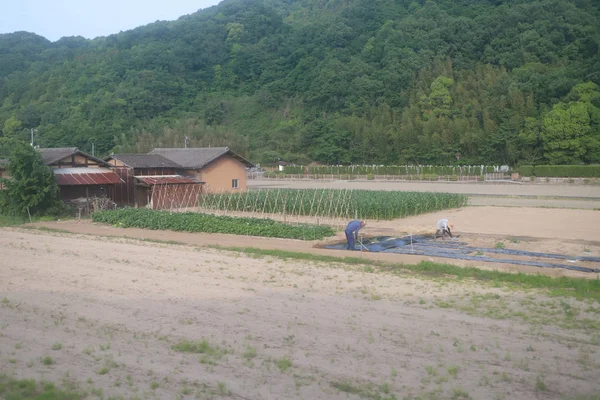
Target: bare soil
<point>482,188</point>
<point>108,311</point>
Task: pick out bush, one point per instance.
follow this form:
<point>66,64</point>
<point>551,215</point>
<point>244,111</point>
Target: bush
<point>196,222</point>
<point>370,177</point>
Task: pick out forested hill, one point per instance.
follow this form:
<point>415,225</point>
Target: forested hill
<point>334,81</point>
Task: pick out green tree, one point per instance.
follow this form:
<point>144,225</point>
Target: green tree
<point>571,131</point>
<point>31,187</point>
<point>12,127</point>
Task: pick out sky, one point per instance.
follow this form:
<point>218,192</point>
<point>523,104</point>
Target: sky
<point>54,19</point>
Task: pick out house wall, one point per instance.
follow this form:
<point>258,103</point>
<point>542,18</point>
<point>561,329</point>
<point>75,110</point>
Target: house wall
<point>218,175</point>
<point>76,160</point>
<point>124,191</point>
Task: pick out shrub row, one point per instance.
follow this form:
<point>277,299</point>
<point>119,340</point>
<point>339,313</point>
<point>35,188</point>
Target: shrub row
<point>561,171</point>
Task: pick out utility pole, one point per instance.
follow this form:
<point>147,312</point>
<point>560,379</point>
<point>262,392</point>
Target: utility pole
<point>32,130</point>
<point>185,142</point>
<point>93,149</point>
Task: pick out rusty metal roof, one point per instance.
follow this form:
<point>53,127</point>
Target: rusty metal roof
<point>166,179</point>
<point>85,176</point>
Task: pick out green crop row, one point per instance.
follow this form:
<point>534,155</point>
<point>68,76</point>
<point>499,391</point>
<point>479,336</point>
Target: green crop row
<point>367,204</point>
<point>561,171</point>
<point>468,170</point>
<point>196,222</point>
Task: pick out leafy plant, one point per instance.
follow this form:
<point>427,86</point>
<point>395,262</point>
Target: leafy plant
<point>196,222</point>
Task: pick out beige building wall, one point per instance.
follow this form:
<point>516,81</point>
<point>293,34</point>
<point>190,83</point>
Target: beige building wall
<point>219,174</point>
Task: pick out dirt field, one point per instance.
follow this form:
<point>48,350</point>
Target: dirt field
<point>492,189</point>
<point>111,315</point>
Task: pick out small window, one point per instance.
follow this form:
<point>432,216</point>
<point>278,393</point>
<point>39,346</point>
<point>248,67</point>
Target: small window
<point>234,183</point>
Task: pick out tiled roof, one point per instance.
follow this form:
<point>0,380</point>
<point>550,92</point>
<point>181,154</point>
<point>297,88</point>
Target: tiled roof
<point>51,155</point>
<point>197,158</point>
<point>144,161</point>
<point>165,179</point>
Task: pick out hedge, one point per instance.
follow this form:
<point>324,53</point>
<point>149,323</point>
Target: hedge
<point>526,170</point>
<point>561,171</point>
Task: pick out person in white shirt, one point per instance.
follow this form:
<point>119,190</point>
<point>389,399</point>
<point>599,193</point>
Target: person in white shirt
<point>443,227</point>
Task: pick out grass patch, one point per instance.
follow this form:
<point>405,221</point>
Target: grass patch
<point>10,220</point>
<point>47,360</point>
<point>223,390</point>
<point>367,391</point>
<point>453,371</point>
<point>250,353</point>
<point>46,229</point>
<point>30,389</point>
<point>199,347</point>
<point>284,363</point>
<point>210,353</point>
<point>57,346</point>
<point>579,288</point>
<point>460,393</point>
<point>540,385</point>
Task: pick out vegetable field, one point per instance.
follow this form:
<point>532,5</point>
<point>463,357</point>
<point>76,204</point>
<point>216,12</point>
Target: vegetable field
<point>196,222</point>
<point>344,204</point>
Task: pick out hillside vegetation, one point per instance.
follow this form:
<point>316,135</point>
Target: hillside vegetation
<point>339,81</point>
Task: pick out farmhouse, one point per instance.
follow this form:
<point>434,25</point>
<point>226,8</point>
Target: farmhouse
<point>174,178</point>
<point>219,168</point>
<point>79,174</point>
<point>151,180</point>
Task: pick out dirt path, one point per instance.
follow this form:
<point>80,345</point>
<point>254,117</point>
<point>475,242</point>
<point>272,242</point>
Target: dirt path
<point>490,189</point>
<point>534,202</point>
<point>105,314</point>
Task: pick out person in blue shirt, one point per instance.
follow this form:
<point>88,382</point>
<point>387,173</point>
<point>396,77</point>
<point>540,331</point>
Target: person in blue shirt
<point>352,232</point>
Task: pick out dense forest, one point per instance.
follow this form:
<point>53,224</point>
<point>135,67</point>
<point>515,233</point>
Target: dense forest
<point>332,81</point>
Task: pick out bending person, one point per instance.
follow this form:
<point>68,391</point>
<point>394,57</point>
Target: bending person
<point>443,227</point>
<point>352,232</point>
